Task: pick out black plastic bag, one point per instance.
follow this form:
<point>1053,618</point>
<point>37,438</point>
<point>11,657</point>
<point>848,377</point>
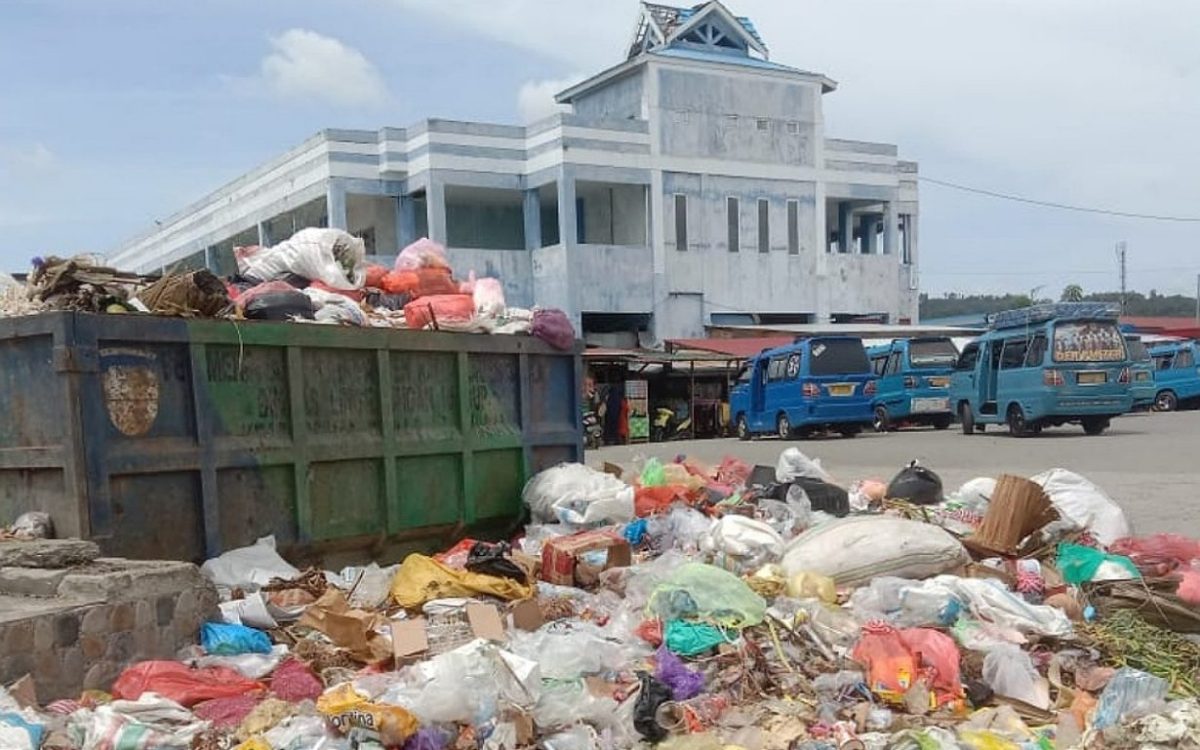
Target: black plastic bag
<point>917,485</point>
<point>493,560</point>
<point>825,497</point>
<point>652,695</point>
<point>279,306</point>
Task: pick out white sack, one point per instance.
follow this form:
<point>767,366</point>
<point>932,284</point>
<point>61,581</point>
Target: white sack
<point>741,545</point>
<point>794,464</point>
<point>1085,505</point>
<point>311,253</point>
<point>249,568</point>
<point>855,550</point>
<point>578,495</point>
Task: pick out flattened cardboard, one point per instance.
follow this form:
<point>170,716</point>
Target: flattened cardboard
<point>485,621</point>
<point>527,615</point>
<point>409,639</point>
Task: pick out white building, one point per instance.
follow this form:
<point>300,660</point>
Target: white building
<point>691,184</point>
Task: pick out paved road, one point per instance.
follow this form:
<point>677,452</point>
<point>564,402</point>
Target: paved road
<point>1149,463</point>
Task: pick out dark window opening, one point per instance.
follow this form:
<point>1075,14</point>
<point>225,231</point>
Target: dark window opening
<point>969,358</point>
<point>734,222</point>
<point>793,227</point>
<point>932,353</point>
<point>838,357</point>
<point>764,226</point>
<point>1013,354</point>
<point>681,233</point>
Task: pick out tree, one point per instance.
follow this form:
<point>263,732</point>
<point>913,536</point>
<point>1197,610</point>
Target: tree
<point>1072,293</point>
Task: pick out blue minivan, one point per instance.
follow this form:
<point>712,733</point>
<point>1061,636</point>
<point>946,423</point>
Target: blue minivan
<point>1142,366</point>
<point>824,382</point>
<point>1176,375</point>
<point>914,382</point>
<point>1044,366</point>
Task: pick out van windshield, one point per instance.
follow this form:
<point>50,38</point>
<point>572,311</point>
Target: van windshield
<point>1137,350</point>
<point>1092,341</point>
<point>932,353</point>
<point>838,357</point>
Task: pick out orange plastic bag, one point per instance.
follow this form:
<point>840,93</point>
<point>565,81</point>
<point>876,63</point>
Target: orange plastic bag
<point>650,500</point>
<point>937,655</point>
<point>375,276</point>
<point>180,683</point>
<point>442,309</point>
<point>891,667</point>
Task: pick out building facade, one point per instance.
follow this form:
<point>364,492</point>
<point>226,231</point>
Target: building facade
<point>690,185</point>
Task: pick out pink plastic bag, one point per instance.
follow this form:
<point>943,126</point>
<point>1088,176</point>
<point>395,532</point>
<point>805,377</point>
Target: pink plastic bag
<point>424,253</point>
<point>554,327</point>
<point>1163,551</point>
<point>181,683</point>
<point>293,681</point>
<point>1189,586</point>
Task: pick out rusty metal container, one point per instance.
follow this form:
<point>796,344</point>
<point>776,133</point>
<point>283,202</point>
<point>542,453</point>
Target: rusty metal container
<point>178,439</point>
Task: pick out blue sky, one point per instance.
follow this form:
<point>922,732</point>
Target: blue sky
<point>113,113</point>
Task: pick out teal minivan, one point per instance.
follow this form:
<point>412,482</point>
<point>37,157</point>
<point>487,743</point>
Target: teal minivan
<point>1045,366</point>
<point>1176,375</point>
<point>1142,366</point>
<point>914,382</point>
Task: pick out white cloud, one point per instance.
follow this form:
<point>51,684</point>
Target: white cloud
<point>35,159</point>
<point>535,99</point>
<point>306,65</point>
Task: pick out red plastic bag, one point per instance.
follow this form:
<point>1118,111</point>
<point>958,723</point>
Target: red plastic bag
<point>182,684</point>
<point>734,472</point>
<point>1189,586</point>
<point>293,681</point>
<point>375,276</point>
<point>650,500</point>
<point>420,282</point>
<point>1160,553</point>
<point>226,713</point>
<point>938,656</point>
<point>454,310</point>
<point>891,667</point>
<point>651,631</point>
<point>456,556</point>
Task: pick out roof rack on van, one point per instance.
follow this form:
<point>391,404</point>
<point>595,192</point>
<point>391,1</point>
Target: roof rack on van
<point>1027,316</point>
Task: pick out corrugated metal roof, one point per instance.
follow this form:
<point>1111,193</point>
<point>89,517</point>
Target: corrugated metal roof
<point>739,348</point>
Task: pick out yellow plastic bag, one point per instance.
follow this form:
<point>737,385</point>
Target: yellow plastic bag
<point>421,579</point>
<point>254,743</point>
<point>982,739</point>
<point>812,586</point>
<point>347,709</point>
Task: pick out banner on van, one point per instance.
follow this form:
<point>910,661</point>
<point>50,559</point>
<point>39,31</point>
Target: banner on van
<point>1088,342</point>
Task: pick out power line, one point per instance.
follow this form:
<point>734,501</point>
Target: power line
<point>1062,206</point>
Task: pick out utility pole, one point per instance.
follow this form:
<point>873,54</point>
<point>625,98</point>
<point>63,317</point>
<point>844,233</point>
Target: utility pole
<point>1121,263</point>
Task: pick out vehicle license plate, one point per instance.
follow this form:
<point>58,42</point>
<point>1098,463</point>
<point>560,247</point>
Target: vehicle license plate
<point>1091,378</point>
<point>926,405</point>
<point>841,389</point>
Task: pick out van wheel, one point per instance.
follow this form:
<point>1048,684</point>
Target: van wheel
<point>743,428</point>
<point>1017,426</point>
<point>882,422</point>
<point>1166,401</point>
<point>942,423</point>
<point>1095,425</point>
<point>967,418</point>
<point>784,427</point>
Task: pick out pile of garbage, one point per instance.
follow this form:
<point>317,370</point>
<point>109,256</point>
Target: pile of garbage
<point>694,607</point>
<point>315,276</point>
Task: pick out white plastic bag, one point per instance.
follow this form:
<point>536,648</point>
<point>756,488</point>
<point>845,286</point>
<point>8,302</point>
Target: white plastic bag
<point>151,721</point>
<point>489,298</point>
<point>371,585</point>
<point>975,494</point>
<point>1009,672</point>
<point>855,550</point>
<point>794,464</point>
<point>1085,505</point>
<point>253,666</point>
<point>988,599</point>
<point>248,568</point>
<point>333,308</point>
<point>424,253</point>
<point>331,256</point>
<point>741,545</point>
<point>578,495</point>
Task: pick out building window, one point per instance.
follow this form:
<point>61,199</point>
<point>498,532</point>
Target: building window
<point>793,128</point>
<point>681,235</point>
<point>793,222</point>
<point>763,124</point>
<point>905,227</point>
<point>764,225</point>
<point>735,224</point>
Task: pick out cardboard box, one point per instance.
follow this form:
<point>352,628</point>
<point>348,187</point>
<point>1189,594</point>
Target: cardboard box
<point>410,638</point>
<point>527,615</point>
<point>561,557</point>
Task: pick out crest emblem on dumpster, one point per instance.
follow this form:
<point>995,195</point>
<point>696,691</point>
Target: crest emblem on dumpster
<point>131,389</point>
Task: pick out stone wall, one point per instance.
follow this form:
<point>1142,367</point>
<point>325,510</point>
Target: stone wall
<point>76,628</point>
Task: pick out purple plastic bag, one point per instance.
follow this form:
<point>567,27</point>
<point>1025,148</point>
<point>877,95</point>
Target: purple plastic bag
<point>671,670</point>
<point>554,327</point>
<point>427,738</point>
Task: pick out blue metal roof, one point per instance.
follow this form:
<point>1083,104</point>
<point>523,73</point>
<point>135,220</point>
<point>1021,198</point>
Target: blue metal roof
<point>728,59</point>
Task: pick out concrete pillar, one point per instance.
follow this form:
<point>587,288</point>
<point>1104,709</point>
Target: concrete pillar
<point>435,209</point>
<point>845,227</point>
<point>532,206</point>
<point>264,235</point>
<point>406,221</point>
<point>335,203</point>
<point>567,223</point>
<point>866,230</point>
<point>891,228</point>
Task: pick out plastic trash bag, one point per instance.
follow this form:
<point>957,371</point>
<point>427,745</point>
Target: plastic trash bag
<point>332,256</point>
<point>568,652</point>
<point>336,308</point>
<point>741,545</point>
<point>1084,505</point>
<point>793,464</point>
<point>916,484</point>
<point>564,703</point>
<point>180,683</point>
<point>578,495</point>
<point>20,730</point>
<point>34,524</point>
<point>424,253</point>
<point>707,592</point>
<point>554,327</point>
<point>294,681</point>
<point>670,670</point>
<point>347,710</point>
<point>1164,551</point>
<point>493,560</point>
<point>653,474</point>
<point>1079,564</point>
<point>222,639</point>
<point>1129,694</point>
<point>302,732</point>
<point>855,550</point>
<point>688,638</point>
<point>652,695</point>
<point>1009,672</point>
<point>248,568</point>
<point>420,579</point>
<point>226,713</point>
<point>975,495</point>
<point>251,666</point>
<point>368,586</point>
<point>283,305</point>
<point>812,586</point>
<point>988,599</point>
<point>488,295</point>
